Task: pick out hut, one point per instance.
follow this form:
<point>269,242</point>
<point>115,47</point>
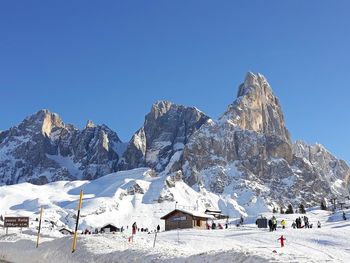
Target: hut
<point>180,218</point>
<point>216,213</point>
<point>109,228</point>
<point>261,222</point>
<point>66,231</point>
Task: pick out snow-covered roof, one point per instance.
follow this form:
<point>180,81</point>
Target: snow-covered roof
<point>109,224</point>
<point>62,229</point>
<point>193,213</point>
<point>213,211</point>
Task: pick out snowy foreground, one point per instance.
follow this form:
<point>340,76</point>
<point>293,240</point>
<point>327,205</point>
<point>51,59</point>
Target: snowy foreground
<point>236,244</point>
<point>138,195</point>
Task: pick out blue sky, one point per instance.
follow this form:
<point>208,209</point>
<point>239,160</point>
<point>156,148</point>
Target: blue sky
<point>110,60</point>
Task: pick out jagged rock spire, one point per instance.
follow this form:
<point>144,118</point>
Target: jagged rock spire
<point>257,109</point>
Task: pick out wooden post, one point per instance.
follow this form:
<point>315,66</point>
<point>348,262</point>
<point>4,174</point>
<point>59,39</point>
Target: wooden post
<point>155,237</point>
<point>39,228</point>
<point>77,222</point>
<point>178,235</point>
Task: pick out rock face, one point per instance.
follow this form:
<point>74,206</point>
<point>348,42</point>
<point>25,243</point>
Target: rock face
<point>257,109</point>
<point>43,149</point>
<point>166,131</point>
<point>248,152</point>
<point>246,156</point>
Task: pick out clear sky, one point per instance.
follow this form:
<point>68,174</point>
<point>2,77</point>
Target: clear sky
<point>110,60</point>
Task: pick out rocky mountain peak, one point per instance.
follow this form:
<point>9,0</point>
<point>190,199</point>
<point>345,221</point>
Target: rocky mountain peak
<point>257,109</point>
<point>165,132</point>
<point>90,124</point>
<point>43,120</point>
<point>160,108</point>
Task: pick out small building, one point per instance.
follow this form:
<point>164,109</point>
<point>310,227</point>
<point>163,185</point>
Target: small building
<point>109,228</point>
<point>66,231</point>
<point>261,222</point>
<point>180,218</point>
<point>216,213</point>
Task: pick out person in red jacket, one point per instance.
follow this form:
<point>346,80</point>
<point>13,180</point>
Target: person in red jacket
<point>282,240</point>
<point>134,228</point>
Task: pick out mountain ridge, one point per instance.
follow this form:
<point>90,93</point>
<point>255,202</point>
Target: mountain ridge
<point>248,148</point>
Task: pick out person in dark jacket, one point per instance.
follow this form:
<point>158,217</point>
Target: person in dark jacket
<point>270,225</point>
<point>158,228</point>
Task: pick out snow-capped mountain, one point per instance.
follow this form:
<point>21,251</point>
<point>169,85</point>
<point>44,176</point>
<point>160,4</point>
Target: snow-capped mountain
<point>246,155</point>
<point>166,131</point>
<point>43,149</point>
<point>249,148</point>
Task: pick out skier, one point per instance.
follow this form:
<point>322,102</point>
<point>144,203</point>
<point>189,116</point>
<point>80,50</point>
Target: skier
<point>344,216</point>
<point>158,228</point>
<point>270,225</point>
<point>274,223</point>
<point>241,220</point>
<point>294,224</point>
<point>134,228</point>
<point>318,224</point>
<point>283,223</point>
<point>306,221</point>
<point>281,240</point>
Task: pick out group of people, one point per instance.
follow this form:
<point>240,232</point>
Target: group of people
<point>214,226</point>
<point>134,228</point>
<point>298,223</point>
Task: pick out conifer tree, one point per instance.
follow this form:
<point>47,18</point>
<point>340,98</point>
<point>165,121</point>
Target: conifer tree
<point>290,209</point>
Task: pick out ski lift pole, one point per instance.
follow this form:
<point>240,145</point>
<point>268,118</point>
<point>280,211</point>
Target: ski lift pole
<point>77,222</point>
<point>155,237</point>
<point>178,235</point>
<point>39,228</point>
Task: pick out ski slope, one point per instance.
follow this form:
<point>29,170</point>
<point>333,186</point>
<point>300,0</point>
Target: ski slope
<point>138,195</point>
<point>120,198</point>
<point>235,244</point>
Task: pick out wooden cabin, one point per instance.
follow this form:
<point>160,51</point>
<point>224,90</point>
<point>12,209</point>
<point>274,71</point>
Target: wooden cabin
<point>109,228</point>
<point>66,231</point>
<point>180,218</point>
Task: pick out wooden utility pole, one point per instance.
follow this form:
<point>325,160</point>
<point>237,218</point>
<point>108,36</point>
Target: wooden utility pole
<point>77,222</point>
<point>155,237</point>
<point>41,214</point>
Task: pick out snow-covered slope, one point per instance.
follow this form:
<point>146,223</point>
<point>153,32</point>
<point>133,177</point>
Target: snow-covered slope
<point>122,198</point>
<point>235,244</point>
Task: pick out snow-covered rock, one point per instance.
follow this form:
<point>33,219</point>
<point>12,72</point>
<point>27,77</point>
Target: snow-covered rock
<point>246,154</point>
<point>166,130</point>
<point>43,149</point>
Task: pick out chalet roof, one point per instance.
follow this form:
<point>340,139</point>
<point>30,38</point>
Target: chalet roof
<point>192,213</point>
<point>213,211</point>
<point>66,230</point>
<point>109,224</point>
